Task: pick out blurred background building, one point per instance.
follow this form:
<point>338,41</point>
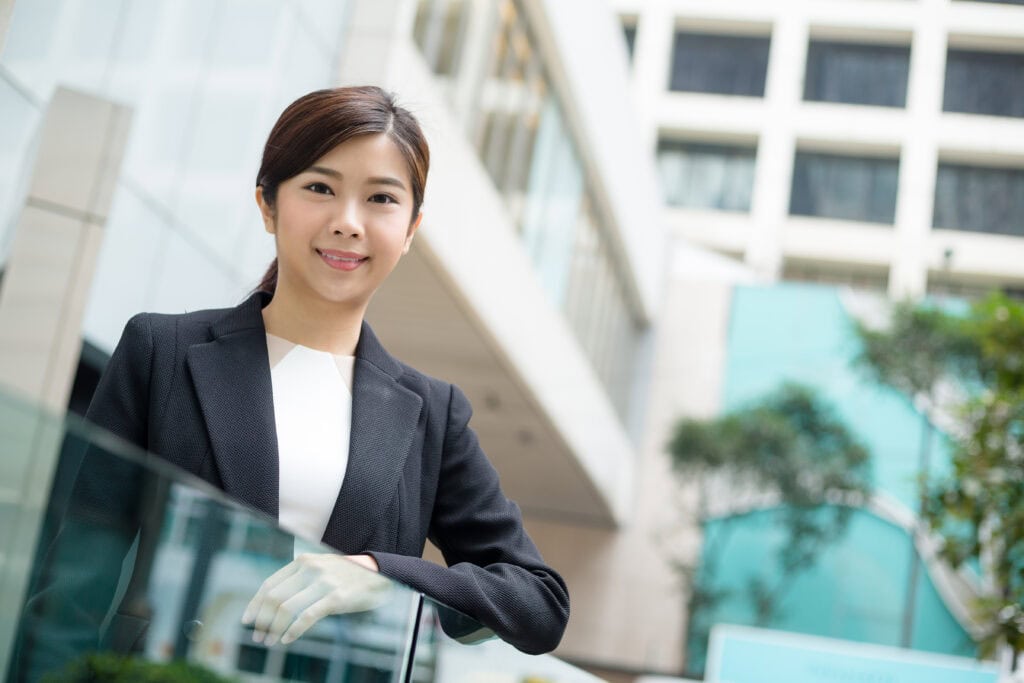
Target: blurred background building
<point>618,198</point>
<point>875,144</point>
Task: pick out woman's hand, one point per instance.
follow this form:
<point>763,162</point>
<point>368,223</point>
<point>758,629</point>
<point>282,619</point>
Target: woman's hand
<point>310,588</point>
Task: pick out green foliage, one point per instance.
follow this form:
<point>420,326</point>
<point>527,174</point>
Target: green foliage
<point>106,667</point>
<point>922,346</point>
<point>977,511</point>
<point>790,443</point>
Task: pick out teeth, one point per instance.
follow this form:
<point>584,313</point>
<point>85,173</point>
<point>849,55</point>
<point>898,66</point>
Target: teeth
<point>339,258</point>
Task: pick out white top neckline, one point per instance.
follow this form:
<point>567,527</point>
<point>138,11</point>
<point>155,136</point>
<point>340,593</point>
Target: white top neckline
<point>313,416</point>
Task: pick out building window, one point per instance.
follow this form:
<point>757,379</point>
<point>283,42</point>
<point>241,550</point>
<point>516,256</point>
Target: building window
<point>980,199</point>
<point>629,33</point>
<point>984,83</point>
<point>845,187</point>
<point>706,176</point>
<point>439,32</point>
<point>727,65</point>
<point>857,74</point>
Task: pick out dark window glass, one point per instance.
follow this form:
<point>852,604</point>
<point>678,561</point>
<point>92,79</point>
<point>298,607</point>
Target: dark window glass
<point>857,74</point>
<point>846,187</point>
<point>980,199</point>
<point>305,668</point>
<point>984,83</point>
<point>251,658</point>
<point>629,32</point>
<point>728,65</point>
<point>706,176</point>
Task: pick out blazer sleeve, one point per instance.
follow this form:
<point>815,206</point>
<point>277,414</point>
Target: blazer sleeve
<point>495,573</point>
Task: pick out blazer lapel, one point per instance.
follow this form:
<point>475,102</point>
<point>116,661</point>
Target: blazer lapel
<point>385,416</point>
<point>231,374</point>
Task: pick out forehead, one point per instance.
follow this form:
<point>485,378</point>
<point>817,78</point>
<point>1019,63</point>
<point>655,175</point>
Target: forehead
<point>375,154</point>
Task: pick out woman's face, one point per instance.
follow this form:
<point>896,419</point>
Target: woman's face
<point>343,223</point>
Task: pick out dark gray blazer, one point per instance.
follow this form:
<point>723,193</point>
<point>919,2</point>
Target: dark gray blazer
<point>195,389</point>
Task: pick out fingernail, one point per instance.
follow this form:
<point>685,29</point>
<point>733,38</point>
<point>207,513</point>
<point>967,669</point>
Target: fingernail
<point>270,641</point>
<point>246,618</point>
<point>287,640</point>
<point>257,636</point>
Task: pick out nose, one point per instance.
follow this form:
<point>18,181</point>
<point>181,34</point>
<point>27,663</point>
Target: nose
<point>347,221</point>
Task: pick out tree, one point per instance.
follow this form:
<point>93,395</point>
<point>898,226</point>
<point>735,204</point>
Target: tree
<point>916,354</point>
<point>977,511</point>
<point>789,449</point>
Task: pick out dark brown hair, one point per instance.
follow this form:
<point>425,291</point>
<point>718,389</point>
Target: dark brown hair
<point>316,123</point>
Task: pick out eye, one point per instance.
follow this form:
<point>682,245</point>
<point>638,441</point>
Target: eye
<point>319,188</point>
<point>383,198</point>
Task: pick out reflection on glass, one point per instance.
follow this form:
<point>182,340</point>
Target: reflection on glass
<point>845,187</point>
<point>145,570</point>
<point>726,65</point>
<point>707,176</point>
<point>980,199</point>
<point>442,655</point>
<point>857,74</point>
<point>142,561</point>
<point>980,82</point>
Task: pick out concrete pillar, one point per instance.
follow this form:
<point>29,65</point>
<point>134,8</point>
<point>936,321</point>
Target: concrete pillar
<point>652,65</point>
<point>42,301</point>
<point>777,146</point>
<point>908,277</point>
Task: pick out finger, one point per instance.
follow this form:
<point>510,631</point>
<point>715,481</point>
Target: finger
<point>252,609</point>
<point>272,601</point>
<point>309,616</point>
<point>289,609</point>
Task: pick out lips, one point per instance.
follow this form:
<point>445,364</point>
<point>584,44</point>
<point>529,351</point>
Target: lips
<point>342,260</point>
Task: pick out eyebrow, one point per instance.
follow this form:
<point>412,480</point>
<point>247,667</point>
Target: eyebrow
<point>385,180</point>
<point>375,180</point>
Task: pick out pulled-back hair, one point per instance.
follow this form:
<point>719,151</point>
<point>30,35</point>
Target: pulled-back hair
<point>316,123</point>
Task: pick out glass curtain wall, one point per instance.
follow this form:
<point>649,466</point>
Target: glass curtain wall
<point>519,127</point>
<point>205,80</point>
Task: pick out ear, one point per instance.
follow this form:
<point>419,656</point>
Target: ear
<point>266,211</point>
<point>413,227</point>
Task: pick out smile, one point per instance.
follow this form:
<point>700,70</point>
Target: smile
<point>341,260</point>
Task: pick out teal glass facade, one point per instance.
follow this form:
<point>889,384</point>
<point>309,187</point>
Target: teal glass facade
<point>857,588</point>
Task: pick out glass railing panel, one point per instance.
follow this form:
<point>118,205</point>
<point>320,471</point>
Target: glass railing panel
<point>453,648</point>
<point>140,567</point>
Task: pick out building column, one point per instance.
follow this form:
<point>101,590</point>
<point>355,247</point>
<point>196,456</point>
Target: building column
<point>777,146</point>
<point>43,294</point>
<point>651,68</point>
<point>908,277</point>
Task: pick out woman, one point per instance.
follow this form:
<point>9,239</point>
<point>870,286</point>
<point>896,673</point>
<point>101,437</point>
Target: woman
<point>255,399</point>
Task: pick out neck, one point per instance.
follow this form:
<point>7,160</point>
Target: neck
<point>314,322</point>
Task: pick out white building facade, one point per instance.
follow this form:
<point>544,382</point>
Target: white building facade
<point>872,143</point>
